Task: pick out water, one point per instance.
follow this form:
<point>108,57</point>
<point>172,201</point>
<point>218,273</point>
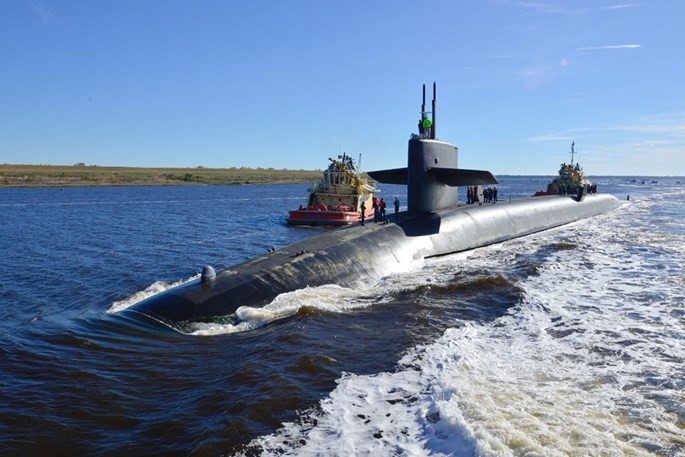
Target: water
<point>568,342</point>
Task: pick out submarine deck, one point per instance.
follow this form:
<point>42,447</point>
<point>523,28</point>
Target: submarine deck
<point>367,253</point>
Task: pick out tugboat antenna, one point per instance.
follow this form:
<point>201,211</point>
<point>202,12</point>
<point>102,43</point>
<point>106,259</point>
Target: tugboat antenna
<point>573,151</point>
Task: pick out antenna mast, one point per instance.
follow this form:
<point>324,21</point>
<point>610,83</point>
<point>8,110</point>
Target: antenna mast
<point>427,125</point>
<point>433,126</point>
<point>573,151</point>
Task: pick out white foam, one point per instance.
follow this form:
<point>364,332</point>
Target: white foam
<point>590,362</point>
<point>329,298</point>
<point>555,376</point>
<point>154,289</point>
<point>383,414</point>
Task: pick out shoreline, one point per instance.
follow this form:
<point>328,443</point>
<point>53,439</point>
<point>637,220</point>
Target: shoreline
<point>60,176</point>
<point>32,176</point>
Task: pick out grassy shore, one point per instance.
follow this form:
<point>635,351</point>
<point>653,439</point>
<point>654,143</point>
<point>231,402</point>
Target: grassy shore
<point>62,176</point>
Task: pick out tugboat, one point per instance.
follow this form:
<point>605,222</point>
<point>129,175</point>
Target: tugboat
<point>338,198</point>
<point>570,181</point>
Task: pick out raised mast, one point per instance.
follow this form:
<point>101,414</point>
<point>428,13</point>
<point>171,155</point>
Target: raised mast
<point>433,126</point>
<point>573,151</point>
<point>423,105</point>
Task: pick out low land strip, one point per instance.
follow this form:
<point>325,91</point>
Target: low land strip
<point>77,175</point>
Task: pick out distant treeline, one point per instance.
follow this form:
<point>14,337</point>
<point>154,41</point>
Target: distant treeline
<point>83,175</point>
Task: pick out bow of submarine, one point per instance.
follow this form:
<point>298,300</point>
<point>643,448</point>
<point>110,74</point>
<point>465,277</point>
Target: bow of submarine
<point>340,256</point>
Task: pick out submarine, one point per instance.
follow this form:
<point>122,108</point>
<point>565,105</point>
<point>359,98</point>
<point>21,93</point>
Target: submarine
<point>433,225</point>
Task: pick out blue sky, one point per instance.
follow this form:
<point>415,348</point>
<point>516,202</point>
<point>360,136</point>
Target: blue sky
<point>180,83</point>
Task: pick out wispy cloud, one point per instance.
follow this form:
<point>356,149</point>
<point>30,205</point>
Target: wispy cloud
<point>618,7</point>
<point>533,72</point>
<point>503,57</point>
<point>552,8</point>
<point>665,127</point>
<point>546,8</point>
<point>611,46</point>
<point>649,145</point>
<point>44,13</point>
<point>537,7</point>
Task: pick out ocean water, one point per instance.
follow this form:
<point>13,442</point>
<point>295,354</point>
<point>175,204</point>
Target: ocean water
<point>570,342</point>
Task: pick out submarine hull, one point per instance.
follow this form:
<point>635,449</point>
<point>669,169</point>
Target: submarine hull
<point>365,253</point>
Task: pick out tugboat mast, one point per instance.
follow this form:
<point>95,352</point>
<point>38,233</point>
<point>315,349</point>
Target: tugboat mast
<point>572,151</point>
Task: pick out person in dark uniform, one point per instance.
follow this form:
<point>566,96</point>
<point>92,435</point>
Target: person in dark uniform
<point>363,210</point>
<point>397,207</point>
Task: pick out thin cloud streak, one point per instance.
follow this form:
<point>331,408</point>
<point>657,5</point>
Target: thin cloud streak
<point>550,8</point>
<point>611,155</point>
<point>501,57</point>
<point>613,46</point>
<point>46,15</point>
<point>668,128</point>
<point>619,7</point>
<point>649,157</point>
<point>542,8</point>
<point>649,145</point>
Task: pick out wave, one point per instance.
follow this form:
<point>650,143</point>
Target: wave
<point>153,289</point>
<point>328,298</point>
<point>589,361</point>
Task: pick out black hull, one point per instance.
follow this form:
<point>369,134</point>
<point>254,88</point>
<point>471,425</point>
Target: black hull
<point>365,253</point>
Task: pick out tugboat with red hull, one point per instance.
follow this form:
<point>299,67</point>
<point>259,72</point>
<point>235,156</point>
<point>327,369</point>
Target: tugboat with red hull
<point>338,198</point>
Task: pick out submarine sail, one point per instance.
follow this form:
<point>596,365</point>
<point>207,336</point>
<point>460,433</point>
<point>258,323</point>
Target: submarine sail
<point>432,168</point>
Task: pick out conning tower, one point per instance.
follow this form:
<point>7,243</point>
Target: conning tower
<point>432,168</point>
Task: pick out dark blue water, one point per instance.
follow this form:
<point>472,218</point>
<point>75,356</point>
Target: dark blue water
<point>77,379</point>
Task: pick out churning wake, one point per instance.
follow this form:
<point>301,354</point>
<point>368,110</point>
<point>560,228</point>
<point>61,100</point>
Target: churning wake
<point>589,362</point>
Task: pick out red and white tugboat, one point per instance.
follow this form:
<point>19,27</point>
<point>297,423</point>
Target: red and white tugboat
<point>338,198</point>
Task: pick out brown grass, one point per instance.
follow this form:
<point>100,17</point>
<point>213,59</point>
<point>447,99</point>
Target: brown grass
<point>61,176</point>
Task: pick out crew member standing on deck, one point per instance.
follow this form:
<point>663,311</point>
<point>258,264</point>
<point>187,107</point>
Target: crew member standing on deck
<point>363,210</point>
<point>397,207</point>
